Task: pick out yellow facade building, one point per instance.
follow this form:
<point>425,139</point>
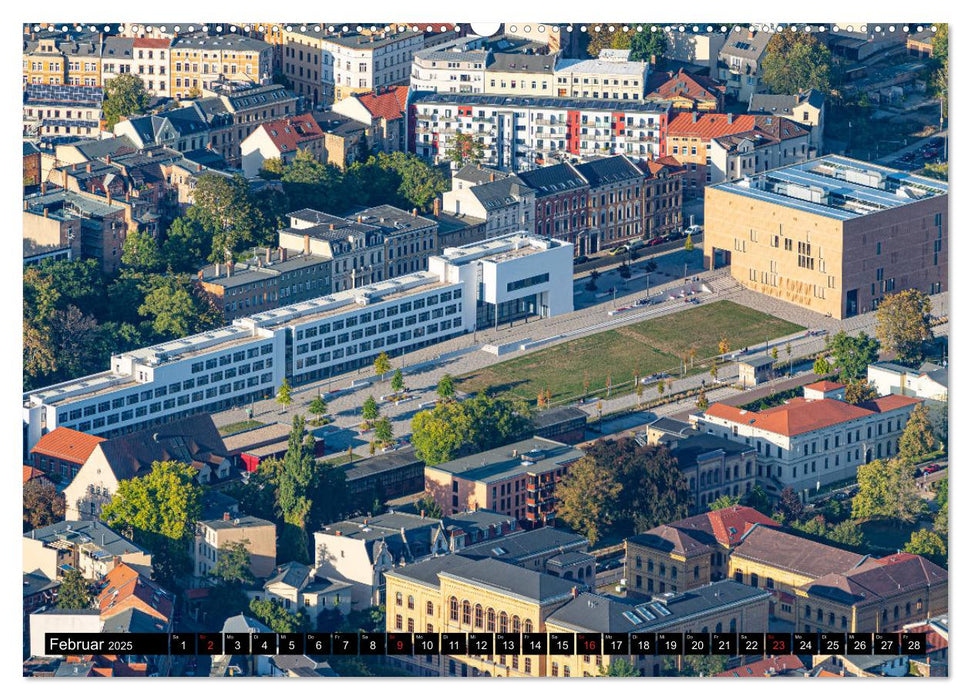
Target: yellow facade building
<point>197,62</point>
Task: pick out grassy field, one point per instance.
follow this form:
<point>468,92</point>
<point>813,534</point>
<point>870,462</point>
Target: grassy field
<point>643,348</point>
<point>239,427</point>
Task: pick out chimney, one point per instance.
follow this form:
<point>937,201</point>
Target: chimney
<point>45,212</point>
<point>751,33</point>
<point>87,168</point>
<point>108,159</point>
<point>26,205</point>
<point>515,453</point>
<point>694,117</point>
<point>198,167</point>
<point>575,591</point>
<point>43,187</point>
<point>332,227</point>
<point>437,207</point>
<point>360,219</point>
<point>218,268</point>
<point>492,177</point>
<point>108,195</point>
<point>423,513</point>
<point>414,212</point>
<point>306,244</point>
<point>731,117</point>
<point>230,267</point>
<point>338,533</point>
<point>200,274</point>
<point>225,516</point>
<point>269,255</point>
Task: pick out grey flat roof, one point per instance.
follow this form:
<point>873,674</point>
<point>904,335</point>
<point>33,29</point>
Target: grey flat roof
<point>79,532</point>
<point>500,463</point>
<point>837,187</point>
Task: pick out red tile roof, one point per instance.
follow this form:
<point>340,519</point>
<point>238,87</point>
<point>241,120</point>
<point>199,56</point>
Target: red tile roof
<point>290,133</point>
<point>711,126</point>
<point>31,473</point>
<point>764,667</point>
<point>800,415</point>
<point>67,445</point>
<point>729,525</point>
<point>824,385</point>
<point>668,163</point>
<point>683,84</point>
<point>124,587</point>
<point>935,640</point>
<point>146,43</point>
<point>389,105</point>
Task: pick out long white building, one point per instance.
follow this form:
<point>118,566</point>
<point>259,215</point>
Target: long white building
<point>487,283</point>
<point>520,133</point>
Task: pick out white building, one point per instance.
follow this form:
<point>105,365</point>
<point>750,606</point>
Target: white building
<point>519,133</point>
<point>600,78</point>
<point>458,66</point>
<point>697,49</point>
<point>354,62</point>
<point>502,200</point>
<point>147,58</point>
<point>748,153</point>
<point>929,381</point>
<point>815,440</point>
<point>494,281</point>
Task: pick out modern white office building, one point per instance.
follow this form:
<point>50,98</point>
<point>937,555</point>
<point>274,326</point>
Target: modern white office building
<point>487,283</point>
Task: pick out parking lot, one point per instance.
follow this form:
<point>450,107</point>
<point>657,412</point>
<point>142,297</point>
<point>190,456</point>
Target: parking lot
<point>924,153</point>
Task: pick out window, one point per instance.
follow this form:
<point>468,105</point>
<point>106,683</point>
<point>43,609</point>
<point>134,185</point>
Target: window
<point>466,613</point>
<point>453,609</point>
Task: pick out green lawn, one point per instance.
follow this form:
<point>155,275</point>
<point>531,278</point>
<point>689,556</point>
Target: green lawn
<point>240,426</point>
<point>643,348</point>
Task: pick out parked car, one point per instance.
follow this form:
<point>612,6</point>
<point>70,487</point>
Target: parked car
<point>693,230</point>
<point>931,468</point>
<point>840,496</point>
<point>619,250</point>
<point>658,240</point>
<point>580,259</point>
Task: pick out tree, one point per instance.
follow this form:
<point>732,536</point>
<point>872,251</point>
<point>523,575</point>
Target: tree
<point>284,395</point>
<point>859,391</point>
<point>43,505</point>
<point>278,618</point>
<point>175,308</point>
<point>941,521</point>
<point>141,252</point>
<point>233,564</point>
<point>438,434</point>
<point>74,593</point>
<point>775,353</point>
<point>813,526</point>
<point>295,492</point>
<point>851,356</point>
<point>758,499</point>
<point>370,410</point>
<point>588,498</point>
<point>660,388</point>
<point>689,244</point>
<point>789,506</point>
<point>703,666</point>
<point>159,512</point>
<point>904,323</point>
<point>429,506</point>
<point>605,39</point>
<point>188,242</point>
<point>927,544</point>
<point>846,532</point>
<point>794,62</point>
<point>821,367</point>
<point>939,76</point>
<point>648,45</point>
<point>918,439</point>
<point>383,431</point>
<point>713,371</point>
<point>620,668</point>
<point>887,490</point>
<point>724,501</point>
<point>397,381</point>
<point>318,407</point>
<point>446,387</point>
<point>124,96</point>
<point>723,346</point>
<point>224,205</point>
<point>465,149</point>
<point>382,364</point>
<point>272,169</point>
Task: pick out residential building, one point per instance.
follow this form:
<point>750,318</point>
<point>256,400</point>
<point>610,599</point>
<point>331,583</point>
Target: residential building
<point>769,667</point>
<point>548,549</point>
<point>521,74</point>
<point>271,279</point>
<point>689,553</point>
<point>148,58</point>
<point>697,51</point>
<point>861,231</point>
<point>458,66</point>
<point>66,59</point>
<point>713,147</point>
<point>384,112</point>
<point>197,62</point>
<point>807,442</point>
<point>97,226</point>
<point>663,210</point>
<point>345,139</point>
<point>518,479</point>
<point>780,563</point>
<point>53,113</point>
<point>500,199</point>
<point>409,239</point>
<point>62,452</point>
<point>32,168</point>
<point>807,108</point>
<point>518,133</point>
<point>181,129</point>
<point>301,58</point>
<point>354,62</point>
<point>281,139</point>
<point>712,466</point>
<point>878,595</point>
<point>687,91</point>
<point>193,441</point>
<point>364,550</point>
<point>921,44</point>
<point>739,64</point>
<point>866,666</point>
<point>562,196</point>
<point>32,474</point>
<point>599,78</point>
<point>929,381</point>
<point>495,281</point>
<point>127,594</point>
<point>257,535</point>
<point>615,201</point>
<point>295,587</point>
<point>87,546</point>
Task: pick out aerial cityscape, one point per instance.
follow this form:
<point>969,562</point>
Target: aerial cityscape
<point>568,350</point>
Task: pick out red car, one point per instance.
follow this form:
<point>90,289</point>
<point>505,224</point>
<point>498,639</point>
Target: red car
<point>931,468</point>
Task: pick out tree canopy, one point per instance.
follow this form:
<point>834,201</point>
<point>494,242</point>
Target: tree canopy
<point>859,391</point>
<point>917,440</point>
<point>887,490</point>
<point>851,355</point>
<point>74,593</point>
<point>794,62</point>
<point>904,323</point>
<point>124,96</point>
<point>43,505</point>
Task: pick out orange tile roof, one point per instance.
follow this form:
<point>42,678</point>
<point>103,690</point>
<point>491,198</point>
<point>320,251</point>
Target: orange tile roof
<point>683,84</point>
<point>146,43</point>
<point>764,667</point>
<point>389,104</point>
<point>67,445</point>
<point>712,126</point>
<point>824,385</point>
<point>31,473</point>
<point>123,588</point>
<point>289,133</point>
<point>801,415</point>
<point>730,524</point>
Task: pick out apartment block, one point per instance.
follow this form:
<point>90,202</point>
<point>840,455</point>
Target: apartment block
<point>211,536</point>
<point>518,479</point>
<point>88,546</point>
<point>148,58</point>
<point>281,139</point>
<point>58,112</point>
<point>833,235</point>
<point>494,281</point>
<point>62,60</point>
<point>814,440</point>
<point>354,62</point>
<point>518,133</point>
<point>197,62</point>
